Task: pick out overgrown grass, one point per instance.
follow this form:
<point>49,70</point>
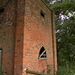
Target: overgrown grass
<point>68,69</point>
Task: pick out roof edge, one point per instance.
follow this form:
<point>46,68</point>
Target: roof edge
<point>46,5</point>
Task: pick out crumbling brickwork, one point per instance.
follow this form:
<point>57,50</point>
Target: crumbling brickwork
<point>26,26</point>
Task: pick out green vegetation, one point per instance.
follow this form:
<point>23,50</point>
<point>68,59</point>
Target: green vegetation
<point>66,70</point>
<point>65,34</point>
<point>0,70</point>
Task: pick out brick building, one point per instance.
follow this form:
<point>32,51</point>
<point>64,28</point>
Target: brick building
<point>27,37</point>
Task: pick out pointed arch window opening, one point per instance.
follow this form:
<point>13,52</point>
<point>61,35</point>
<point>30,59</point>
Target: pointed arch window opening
<point>42,53</point>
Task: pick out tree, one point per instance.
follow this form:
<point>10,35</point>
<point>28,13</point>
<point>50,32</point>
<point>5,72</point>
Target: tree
<point>64,29</point>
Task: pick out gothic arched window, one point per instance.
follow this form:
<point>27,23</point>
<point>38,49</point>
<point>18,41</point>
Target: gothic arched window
<point>42,53</point>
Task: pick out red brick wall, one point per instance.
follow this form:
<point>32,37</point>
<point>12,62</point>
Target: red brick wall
<point>37,31</point>
<point>19,41</point>
<point>43,65</point>
<point>54,45</point>
<point>23,33</point>
<point>7,37</point>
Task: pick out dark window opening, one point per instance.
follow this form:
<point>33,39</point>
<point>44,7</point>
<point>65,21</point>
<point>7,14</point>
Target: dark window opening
<point>42,14</point>
<point>1,10</point>
<point>1,57</point>
<point>42,53</point>
<point>0,48</point>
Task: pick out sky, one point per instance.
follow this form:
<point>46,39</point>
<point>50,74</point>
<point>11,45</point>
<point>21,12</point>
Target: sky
<point>52,1</point>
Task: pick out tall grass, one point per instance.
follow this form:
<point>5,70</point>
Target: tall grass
<point>68,69</point>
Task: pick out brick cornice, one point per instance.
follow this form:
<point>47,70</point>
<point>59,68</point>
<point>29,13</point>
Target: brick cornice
<point>3,3</point>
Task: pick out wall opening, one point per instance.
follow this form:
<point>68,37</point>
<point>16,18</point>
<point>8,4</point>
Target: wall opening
<point>1,10</point>
<point>42,53</point>
<point>1,56</point>
<point>42,14</point>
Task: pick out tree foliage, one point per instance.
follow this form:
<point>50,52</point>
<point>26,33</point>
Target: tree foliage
<point>65,29</point>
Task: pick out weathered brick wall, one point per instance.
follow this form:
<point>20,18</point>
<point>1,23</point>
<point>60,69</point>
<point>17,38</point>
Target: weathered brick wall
<point>22,33</point>
<point>37,31</point>
<point>7,36</point>
<point>54,45</point>
<point>19,41</point>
